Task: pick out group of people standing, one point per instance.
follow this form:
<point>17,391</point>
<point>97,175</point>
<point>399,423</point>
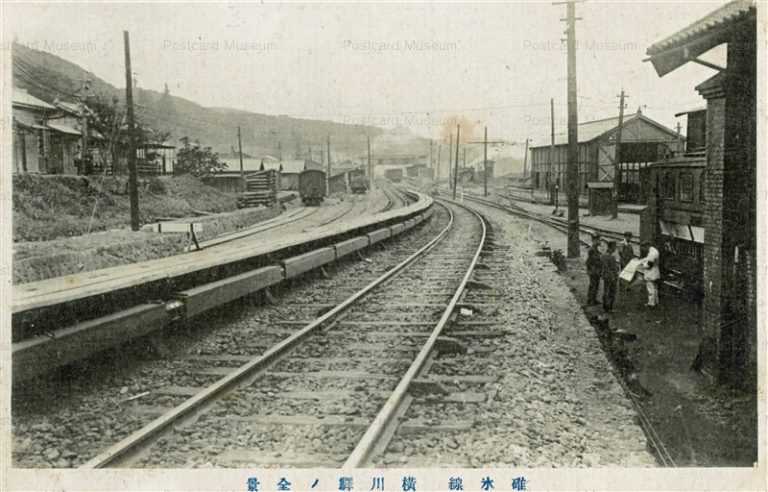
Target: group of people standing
<point>604,265</point>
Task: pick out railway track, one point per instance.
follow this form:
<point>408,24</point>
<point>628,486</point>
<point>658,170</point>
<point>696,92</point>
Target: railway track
<point>549,221</point>
<point>346,373</point>
<point>661,452</point>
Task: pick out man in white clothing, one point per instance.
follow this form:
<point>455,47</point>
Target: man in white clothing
<point>651,272</point>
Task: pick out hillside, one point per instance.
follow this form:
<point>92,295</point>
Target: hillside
<point>48,76</point>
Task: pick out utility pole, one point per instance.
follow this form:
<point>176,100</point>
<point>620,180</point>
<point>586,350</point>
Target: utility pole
<point>86,167</point>
<point>573,136</point>
<point>456,168</point>
<point>550,181</point>
<point>280,151</point>
<point>450,163</point>
<point>525,158</point>
<point>485,161</point>
<point>617,164</point>
<point>240,154</point>
<point>437,167</point>
<point>328,150</point>
<point>370,165</point>
<point>133,185</point>
<point>431,160</point>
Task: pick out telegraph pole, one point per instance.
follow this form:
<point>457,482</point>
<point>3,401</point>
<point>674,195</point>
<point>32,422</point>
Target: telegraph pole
<point>370,165</point>
<point>617,164</point>
<point>525,158</point>
<point>550,181</point>
<point>485,161</point>
<point>456,168</point>
<point>328,150</point>
<point>573,137</point>
<point>240,154</point>
<point>133,185</point>
<point>450,164</point>
<point>431,159</point>
<point>86,168</point>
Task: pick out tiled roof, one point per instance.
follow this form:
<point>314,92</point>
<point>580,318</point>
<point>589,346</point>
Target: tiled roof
<point>24,98</point>
<point>730,12</point>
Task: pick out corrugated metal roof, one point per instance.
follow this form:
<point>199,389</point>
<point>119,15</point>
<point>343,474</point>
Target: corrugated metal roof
<point>730,12</point>
<point>591,130</point>
<point>22,97</point>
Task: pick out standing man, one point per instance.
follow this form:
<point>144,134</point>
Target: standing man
<point>626,253</point>
<point>594,269</point>
<point>610,275</point>
<point>651,272</point>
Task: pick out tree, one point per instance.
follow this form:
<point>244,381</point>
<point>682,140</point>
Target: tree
<point>197,160</point>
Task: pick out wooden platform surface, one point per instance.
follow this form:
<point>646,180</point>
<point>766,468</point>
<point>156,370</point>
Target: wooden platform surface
<point>69,288</point>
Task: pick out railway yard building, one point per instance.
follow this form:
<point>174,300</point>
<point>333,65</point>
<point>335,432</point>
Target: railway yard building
<point>729,187</point>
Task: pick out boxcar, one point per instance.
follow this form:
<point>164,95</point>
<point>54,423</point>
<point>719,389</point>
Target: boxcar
<point>673,221</point>
<point>312,186</point>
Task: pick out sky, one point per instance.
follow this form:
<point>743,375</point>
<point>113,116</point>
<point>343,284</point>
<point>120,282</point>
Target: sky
<point>420,66</point>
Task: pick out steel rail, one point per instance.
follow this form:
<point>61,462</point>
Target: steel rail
<point>267,225</point>
<point>362,452</point>
<point>132,443</point>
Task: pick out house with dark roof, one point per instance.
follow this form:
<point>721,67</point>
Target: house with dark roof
<point>729,313</point>
<point>31,142</point>
<point>643,141</point>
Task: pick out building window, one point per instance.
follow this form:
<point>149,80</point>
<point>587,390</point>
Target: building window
<point>668,185</point>
<point>686,187</point>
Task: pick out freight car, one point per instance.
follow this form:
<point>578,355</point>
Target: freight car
<point>673,221</point>
<point>312,186</point>
<point>394,175</point>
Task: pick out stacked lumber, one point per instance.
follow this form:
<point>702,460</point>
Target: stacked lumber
<point>261,189</point>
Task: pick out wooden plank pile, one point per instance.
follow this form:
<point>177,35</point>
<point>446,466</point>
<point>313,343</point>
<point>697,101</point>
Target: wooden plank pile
<point>261,189</point>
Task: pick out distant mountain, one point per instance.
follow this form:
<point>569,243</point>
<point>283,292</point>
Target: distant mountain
<point>47,77</point>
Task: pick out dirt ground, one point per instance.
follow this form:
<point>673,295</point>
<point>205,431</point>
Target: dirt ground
<point>699,423</point>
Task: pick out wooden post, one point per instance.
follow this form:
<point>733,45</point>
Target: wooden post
<point>370,165</point>
<point>240,154</point>
<point>328,165</point>
<point>133,184</point>
<point>550,181</point>
<point>525,159</point>
<point>456,167</point>
<point>573,137</point>
<point>485,161</point>
<point>450,164</point>
<point>617,164</point>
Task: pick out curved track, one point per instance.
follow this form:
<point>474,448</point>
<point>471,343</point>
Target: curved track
<point>399,313</point>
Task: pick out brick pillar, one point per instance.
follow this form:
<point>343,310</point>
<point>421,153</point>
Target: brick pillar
<point>729,215</point>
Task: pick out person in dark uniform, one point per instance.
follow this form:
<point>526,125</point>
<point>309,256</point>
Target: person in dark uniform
<point>626,252</point>
<point>594,270</point>
<point>610,276</point>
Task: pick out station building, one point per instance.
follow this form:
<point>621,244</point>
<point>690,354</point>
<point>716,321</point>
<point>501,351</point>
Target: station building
<point>729,314</point>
